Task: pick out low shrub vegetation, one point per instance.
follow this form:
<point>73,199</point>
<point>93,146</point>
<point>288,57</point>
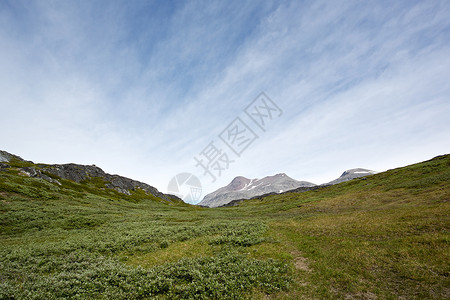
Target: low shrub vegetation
<point>383,237</point>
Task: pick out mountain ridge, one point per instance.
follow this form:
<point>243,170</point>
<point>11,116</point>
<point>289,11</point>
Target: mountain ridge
<point>78,173</point>
<point>242,188</point>
<point>351,174</point>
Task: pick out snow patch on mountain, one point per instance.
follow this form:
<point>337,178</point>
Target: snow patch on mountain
<point>244,188</point>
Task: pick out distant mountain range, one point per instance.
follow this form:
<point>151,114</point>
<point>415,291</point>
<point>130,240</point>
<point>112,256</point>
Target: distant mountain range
<point>244,188</point>
<point>241,187</point>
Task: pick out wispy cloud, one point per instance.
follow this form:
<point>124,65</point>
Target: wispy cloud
<point>141,88</point>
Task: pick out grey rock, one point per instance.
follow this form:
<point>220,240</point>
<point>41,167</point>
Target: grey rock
<point>351,174</point>
<point>32,172</point>
<point>244,188</point>
<point>79,173</point>
<point>7,157</point>
<point>4,166</point>
<point>4,156</point>
<point>75,172</point>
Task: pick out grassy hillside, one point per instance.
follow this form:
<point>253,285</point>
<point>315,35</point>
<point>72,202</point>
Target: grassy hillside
<point>384,236</point>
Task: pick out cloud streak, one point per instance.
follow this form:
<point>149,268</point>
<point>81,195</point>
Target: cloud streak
<point>141,88</point>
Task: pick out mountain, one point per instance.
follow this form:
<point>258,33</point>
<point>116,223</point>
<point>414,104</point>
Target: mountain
<point>241,188</point>
<point>351,174</point>
<point>244,188</point>
<point>81,174</point>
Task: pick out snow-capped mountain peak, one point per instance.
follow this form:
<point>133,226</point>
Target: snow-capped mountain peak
<point>243,188</point>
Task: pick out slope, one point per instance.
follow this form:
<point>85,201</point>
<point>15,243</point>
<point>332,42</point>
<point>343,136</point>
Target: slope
<point>351,174</point>
<point>84,177</point>
<point>384,236</point>
<point>65,239</point>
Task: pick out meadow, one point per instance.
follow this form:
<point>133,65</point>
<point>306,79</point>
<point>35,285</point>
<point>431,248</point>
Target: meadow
<point>383,236</point>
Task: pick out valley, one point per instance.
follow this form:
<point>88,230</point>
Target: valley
<point>383,236</point>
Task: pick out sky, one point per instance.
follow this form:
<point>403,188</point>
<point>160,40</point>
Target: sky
<point>147,89</point>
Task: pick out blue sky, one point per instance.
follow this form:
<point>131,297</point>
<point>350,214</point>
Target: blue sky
<point>141,87</point>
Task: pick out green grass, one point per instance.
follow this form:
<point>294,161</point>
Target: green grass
<point>386,236</point>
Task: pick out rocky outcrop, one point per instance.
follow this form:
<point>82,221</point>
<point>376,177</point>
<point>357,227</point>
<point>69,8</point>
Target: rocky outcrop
<point>4,166</point>
<point>7,157</point>
<point>80,174</point>
<point>33,172</point>
<point>74,172</point>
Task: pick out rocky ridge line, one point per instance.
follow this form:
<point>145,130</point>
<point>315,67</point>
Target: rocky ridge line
<point>79,173</point>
